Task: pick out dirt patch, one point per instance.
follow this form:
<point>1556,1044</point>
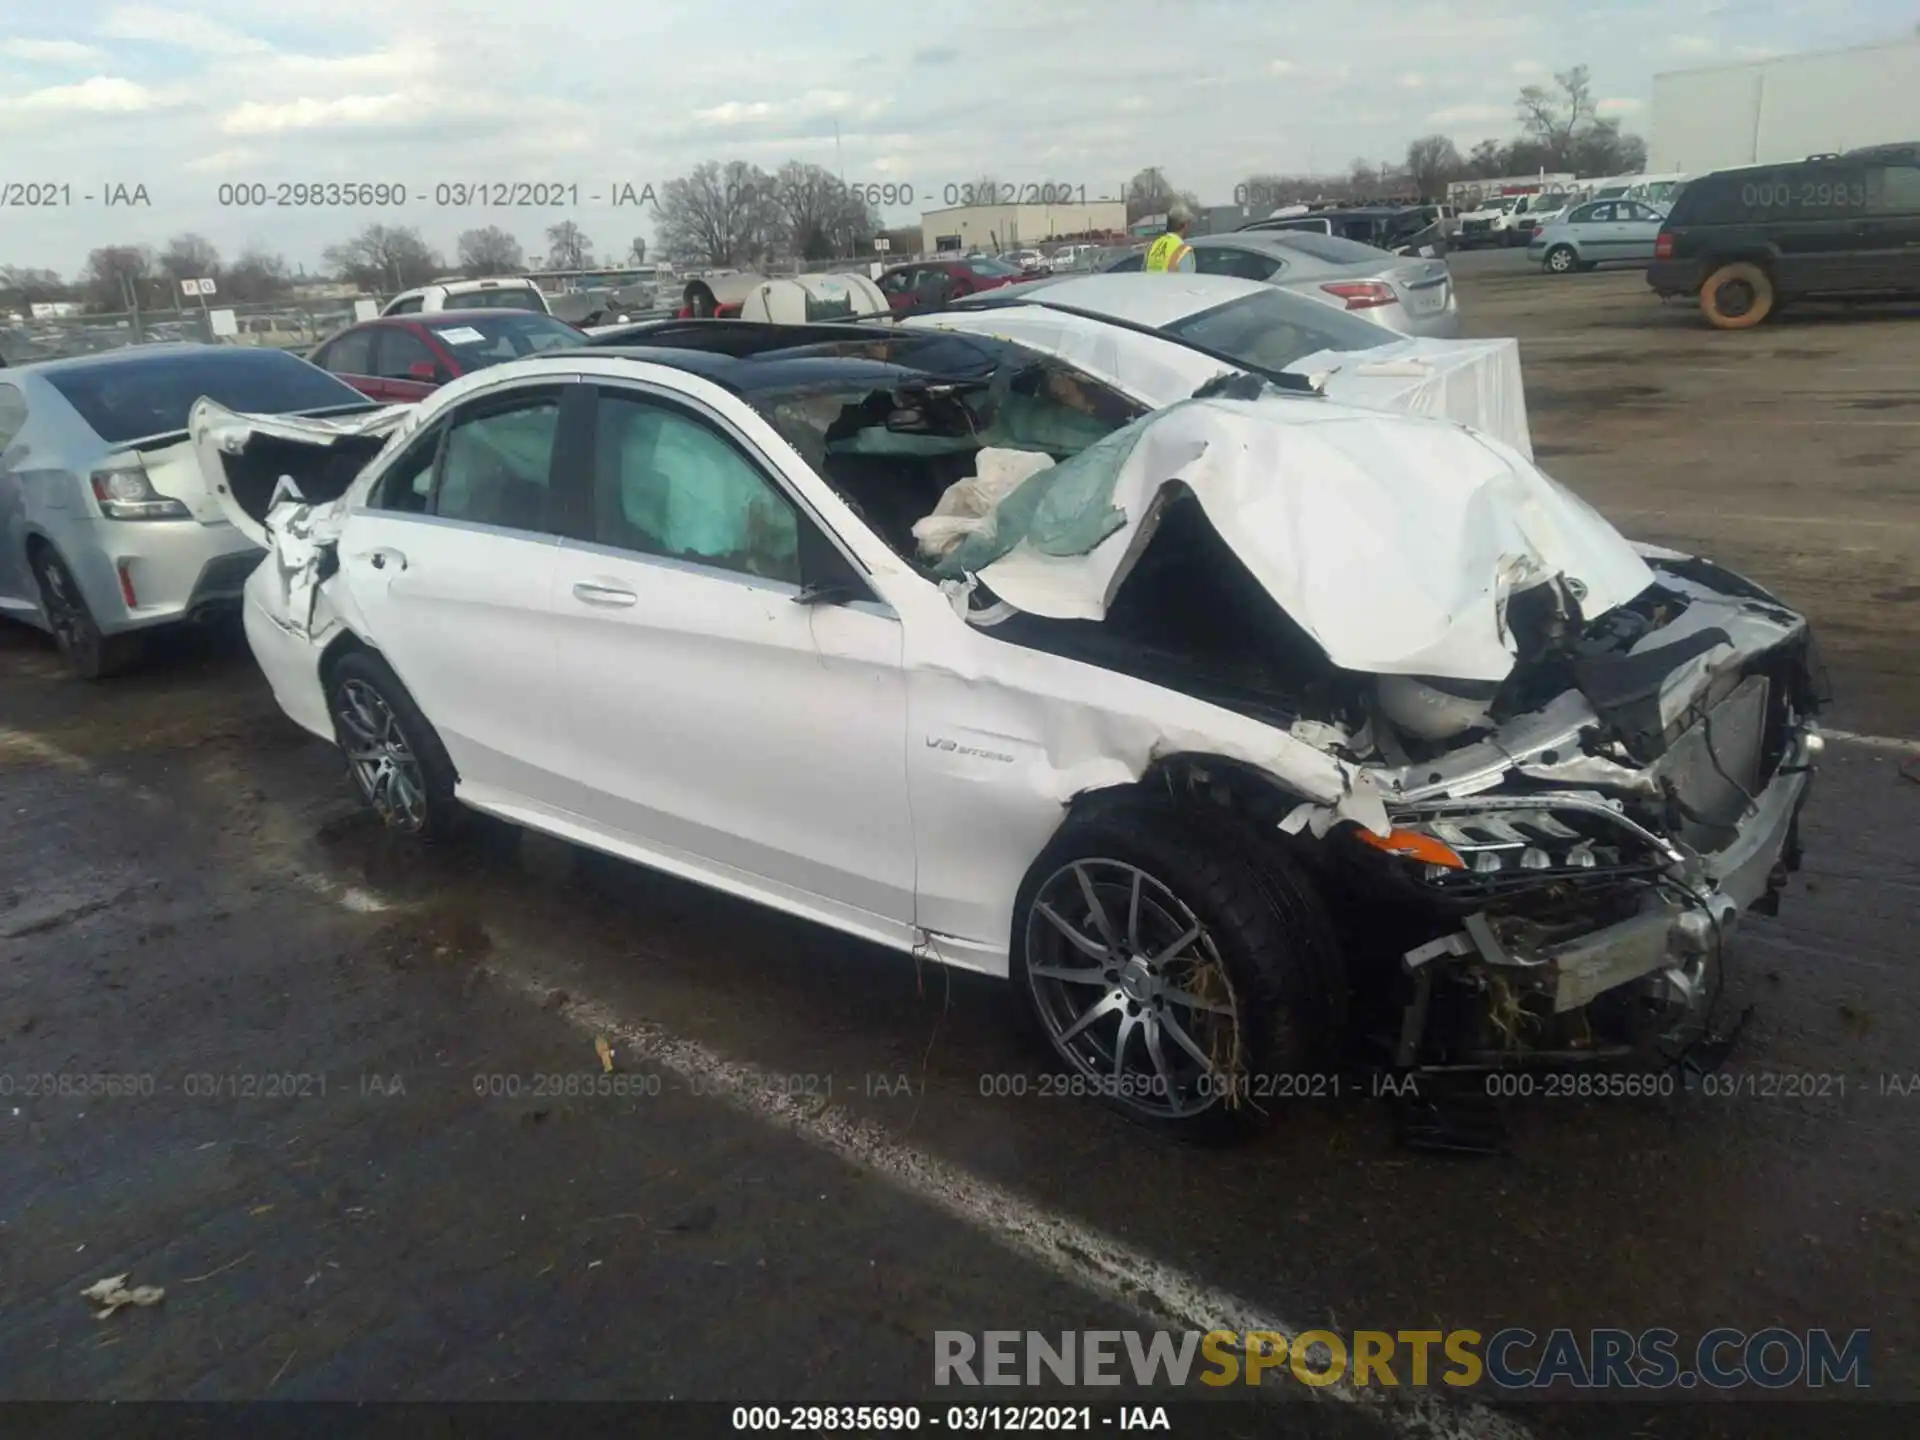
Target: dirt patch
<point>1551,451</point>
<point>1802,352</point>
<point>1903,594</point>
<point>1869,460</point>
<point>1883,402</point>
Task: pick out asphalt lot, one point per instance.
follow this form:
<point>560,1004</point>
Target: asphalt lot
<point>804,1180</point>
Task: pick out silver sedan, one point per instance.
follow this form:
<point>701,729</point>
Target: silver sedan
<point>107,529</point>
<point>1595,234</point>
<point>1406,296</point>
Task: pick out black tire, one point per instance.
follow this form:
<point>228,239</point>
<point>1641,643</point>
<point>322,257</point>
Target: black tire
<point>404,774</point>
<point>1264,957</point>
<point>1737,296</point>
<point>91,654</point>
<point>1561,260</point>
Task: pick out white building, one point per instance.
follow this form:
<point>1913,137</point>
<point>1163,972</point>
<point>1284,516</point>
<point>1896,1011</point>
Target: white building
<point>1004,227</point>
<point>1786,108</point>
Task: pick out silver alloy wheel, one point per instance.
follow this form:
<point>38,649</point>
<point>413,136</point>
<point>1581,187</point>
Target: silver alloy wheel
<point>382,762</point>
<point>1560,260</point>
<point>1132,990</point>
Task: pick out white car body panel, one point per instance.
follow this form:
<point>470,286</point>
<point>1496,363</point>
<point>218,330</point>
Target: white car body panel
<point>888,767</point>
<point>1472,382</point>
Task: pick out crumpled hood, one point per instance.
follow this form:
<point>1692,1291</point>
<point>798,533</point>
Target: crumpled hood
<point>1393,541</point>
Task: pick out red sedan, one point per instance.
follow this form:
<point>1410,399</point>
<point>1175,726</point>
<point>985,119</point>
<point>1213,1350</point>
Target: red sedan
<point>403,357</point>
<point>934,282</point>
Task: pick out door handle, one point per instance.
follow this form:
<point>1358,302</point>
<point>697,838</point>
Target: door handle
<point>604,595</point>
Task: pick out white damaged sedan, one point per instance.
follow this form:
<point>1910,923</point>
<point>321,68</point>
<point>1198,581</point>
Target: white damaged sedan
<point>1244,736</point>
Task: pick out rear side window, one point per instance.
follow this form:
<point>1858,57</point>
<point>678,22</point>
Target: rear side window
<point>409,306</point>
<point>1275,328</point>
<point>1893,190</point>
<point>351,354</point>
<point>1224,260</point>
<point>1330,248</point>
<point>494,466</point>
<point>134,397</point>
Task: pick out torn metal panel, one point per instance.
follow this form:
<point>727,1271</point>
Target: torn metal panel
<point>1394,544</point>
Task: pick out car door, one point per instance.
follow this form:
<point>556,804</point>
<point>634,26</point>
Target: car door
<point>404,366</point>
<point>450,565</point>
<point>1593,232</point>
<point>1813,216</point>
<point>1891,226</point>
<point>1639,228</point>
<point>725,721</point>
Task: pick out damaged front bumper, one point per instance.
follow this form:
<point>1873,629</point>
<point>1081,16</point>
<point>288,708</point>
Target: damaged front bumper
<point>1670,945</point>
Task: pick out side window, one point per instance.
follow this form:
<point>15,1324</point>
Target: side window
<point>13,414</point>
<point>398,352</point>
<point>351,354</point>
<point>1220,260</point>
<point>408,484</point>
<point>1135,261</point>
<point>665,483</point>
<point>409,306</point>
<point>1893,190</point>
<point>494,466</point>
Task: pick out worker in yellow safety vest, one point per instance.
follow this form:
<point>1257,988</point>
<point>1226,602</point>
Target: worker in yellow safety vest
<point>1171,251</point>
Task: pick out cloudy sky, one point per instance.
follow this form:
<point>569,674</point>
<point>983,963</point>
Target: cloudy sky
<point>596,93</point>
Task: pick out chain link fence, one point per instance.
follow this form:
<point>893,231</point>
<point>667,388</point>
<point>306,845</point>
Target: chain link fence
<point>280,324</point>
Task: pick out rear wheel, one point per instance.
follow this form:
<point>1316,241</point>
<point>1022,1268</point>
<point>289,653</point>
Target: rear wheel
<point>92,654</point>
<point>1737,296</point>
<point>396,759</point>
<point>1561,260</point>
<point>1175,970</point>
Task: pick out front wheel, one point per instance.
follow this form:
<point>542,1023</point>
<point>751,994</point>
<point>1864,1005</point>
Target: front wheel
<point>1561,260</point>
<point>1187,980</point>
<point>396,759</point>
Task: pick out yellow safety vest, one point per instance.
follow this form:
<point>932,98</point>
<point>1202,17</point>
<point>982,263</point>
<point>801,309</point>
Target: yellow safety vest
<point>1166,252</point>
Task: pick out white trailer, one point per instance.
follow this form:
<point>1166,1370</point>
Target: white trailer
<point>1786,108</point>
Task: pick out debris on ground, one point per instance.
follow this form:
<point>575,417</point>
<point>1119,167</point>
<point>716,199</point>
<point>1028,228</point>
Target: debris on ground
<point>112,1293</point>
<point>604,1051</point>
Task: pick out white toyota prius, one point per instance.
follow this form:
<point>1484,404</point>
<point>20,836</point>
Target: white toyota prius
<point>1245,736</point>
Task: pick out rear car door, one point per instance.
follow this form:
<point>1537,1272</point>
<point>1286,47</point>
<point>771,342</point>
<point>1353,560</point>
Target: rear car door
<point>1639,228</point>
<point>451,566</point>
<point>1812,217</point>
<point>1891,226</point>
<point>719,720</point>
<point>404,366</point>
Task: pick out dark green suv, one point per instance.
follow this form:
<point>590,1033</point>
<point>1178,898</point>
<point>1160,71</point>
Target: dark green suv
<point>1830,226</point>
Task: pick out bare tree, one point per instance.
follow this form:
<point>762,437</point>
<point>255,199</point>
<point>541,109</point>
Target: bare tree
<point>1602,150</point>
<point>1555,117</point>
<point>1488,160</point>
<point>256,275</point>
<point>568,248</point>
<point>189,257</point>
<point>1432,161</point>
<point>383,256</point>
<point>26,285</point>
<point>822,217</point>
<point>719,214</point>
<point>1149,192</point>
<point>489,250</point>
<point>114,275</point>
